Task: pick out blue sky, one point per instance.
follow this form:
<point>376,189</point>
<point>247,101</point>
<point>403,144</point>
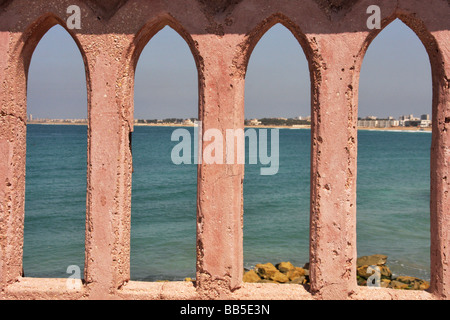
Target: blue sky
<point>395,77</point>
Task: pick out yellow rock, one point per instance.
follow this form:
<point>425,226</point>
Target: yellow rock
<point>414,283</point>
<point>362,272</point>
<point>296,273</point>
<point>397,285</point>
<point>407,279</point>
<point>384,283</point>
<point>373,260</point>
<point>424,286</point>
<point>266,271</point>
<point>251,276</point>
<point>267,281</point>
<point>385,272</point>
<point>299,280</point>
<point>285,267</point>
<point>279,277</point>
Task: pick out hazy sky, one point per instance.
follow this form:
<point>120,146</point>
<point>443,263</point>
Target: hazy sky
<point>395,78</point>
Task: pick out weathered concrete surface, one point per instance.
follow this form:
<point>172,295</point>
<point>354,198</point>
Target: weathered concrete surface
<point>219,219</point>
<point>221,35</point>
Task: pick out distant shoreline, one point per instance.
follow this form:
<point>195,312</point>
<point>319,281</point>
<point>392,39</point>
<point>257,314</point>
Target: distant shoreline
<point>393,129</point>
<point>60,123</point>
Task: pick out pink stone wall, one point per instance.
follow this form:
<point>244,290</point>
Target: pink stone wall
<point>221,35</point>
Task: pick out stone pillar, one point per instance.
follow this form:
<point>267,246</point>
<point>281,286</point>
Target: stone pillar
<point>333,168</point>
<point>109,170</point>
<point>440,168</point>
<point>12,158</point>
<point>220,186</point>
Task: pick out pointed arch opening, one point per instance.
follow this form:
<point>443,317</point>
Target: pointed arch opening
<point>56,157</point>
<point>276,205</point>
<point>394,141</point>
<point>164,192</point>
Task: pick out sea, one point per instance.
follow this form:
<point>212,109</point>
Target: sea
<point>393,195</point>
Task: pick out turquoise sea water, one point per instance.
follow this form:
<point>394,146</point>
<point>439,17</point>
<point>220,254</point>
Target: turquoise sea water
<point>392,205</point>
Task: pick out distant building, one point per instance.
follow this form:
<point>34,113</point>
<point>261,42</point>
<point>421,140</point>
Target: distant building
<point>409,117</point>
<point>254,122</point>
<point>369,122</point>
<point>425,121</point>
<point>411,121</point>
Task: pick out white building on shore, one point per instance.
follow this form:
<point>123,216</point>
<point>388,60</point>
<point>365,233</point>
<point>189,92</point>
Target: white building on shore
<point>404,121</point>
<point>378,123</point>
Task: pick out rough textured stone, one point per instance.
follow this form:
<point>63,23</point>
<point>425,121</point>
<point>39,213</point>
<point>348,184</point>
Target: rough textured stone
<point>266,271</point>
<point>414,283</point>
<point>105,9</point>
<point>373,260</point>
<point>295,273</point>
<point>394,284</point>
<point>251,276</point>
<point>219,6</point>
<point>384,283</point>
<point>4,3</point>
<point>279,277</point>
<point>221,36</point>
<point>298,280</point>
<point>285,267</point>
<point>331,6</point>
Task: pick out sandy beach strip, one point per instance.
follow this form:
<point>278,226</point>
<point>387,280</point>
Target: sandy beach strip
<point>393,129</point>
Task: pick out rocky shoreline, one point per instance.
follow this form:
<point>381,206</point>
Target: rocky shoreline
<point>372,269</point>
